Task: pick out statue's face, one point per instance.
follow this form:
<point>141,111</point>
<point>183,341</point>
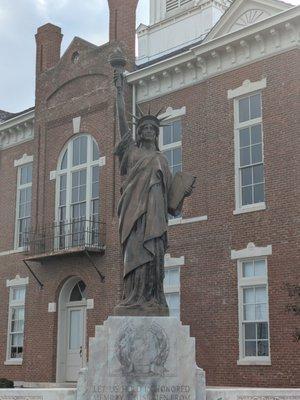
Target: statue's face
<point>148,133</point>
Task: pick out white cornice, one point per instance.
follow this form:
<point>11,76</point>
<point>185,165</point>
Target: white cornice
<point>263,39</point>
<point>17,130</point>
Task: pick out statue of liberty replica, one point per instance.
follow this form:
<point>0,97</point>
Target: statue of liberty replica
<point>149,193</point>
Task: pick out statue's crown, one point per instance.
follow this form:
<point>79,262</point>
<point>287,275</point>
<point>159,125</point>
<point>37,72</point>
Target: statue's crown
<point>148,118</point>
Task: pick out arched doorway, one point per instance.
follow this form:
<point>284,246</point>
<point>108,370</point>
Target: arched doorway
<point>71,335</point>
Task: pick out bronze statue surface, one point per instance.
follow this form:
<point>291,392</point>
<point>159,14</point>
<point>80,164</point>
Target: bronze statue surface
<point>148,194</point>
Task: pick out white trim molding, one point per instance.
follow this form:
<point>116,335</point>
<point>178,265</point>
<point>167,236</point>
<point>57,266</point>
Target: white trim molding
<point>25,159</point>
<point>266,38</point>
<point>171,113</point>
<point>17,281</point>
<point>17,130</point>
<point>51,307</point>
<point>173,262</point>
<point>251,251</point>
<point>247,87</point>
<point>76,124</point>
<point>9,252</point>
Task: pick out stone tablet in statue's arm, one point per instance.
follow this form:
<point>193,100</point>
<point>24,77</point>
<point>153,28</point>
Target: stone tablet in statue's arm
<point>181,187</point>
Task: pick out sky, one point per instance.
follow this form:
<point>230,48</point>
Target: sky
<point>19,20</point>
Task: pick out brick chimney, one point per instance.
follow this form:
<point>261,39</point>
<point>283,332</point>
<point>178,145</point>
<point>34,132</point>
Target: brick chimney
<point>48,42</point>
<point>122,22</point>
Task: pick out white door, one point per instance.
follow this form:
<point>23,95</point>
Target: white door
<point>75,342</point>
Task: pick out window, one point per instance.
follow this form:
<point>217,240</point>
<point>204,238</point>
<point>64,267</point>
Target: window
<point>23,209</point>
<point>16,317</point>
<point>170,145</point>
<point>250,179</point>
<point>253,310</point>
<point>172,290</point>
<point>78,193</point>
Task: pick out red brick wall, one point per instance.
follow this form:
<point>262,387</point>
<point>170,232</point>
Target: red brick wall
<point>208,279</point>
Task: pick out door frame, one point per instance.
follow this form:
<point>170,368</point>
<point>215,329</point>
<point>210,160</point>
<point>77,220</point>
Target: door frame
<point>62,329</point>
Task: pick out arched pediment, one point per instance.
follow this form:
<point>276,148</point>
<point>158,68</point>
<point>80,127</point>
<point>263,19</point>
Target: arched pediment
<point>81,86</point>
<point>249,17</point>
<point>243,13</point>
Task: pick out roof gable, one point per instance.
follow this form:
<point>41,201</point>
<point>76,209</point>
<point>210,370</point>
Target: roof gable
<point>243,13</point>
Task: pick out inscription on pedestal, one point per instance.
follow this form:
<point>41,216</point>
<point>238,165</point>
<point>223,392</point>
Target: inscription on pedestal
<point>143,392</point>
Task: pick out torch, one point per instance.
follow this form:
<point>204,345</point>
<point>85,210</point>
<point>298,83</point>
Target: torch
<point>118,62</point>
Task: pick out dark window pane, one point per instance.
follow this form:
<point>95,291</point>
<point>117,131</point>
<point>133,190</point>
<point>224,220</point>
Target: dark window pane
<point>244,109</point>
<point>245,156</point>
<point>258,173</point>
<point>82,180</point>
<point>262,330</point>
<point>75,179</point>
<point>168,154</point>
<point>255,106</point>
<point>263,348</point>
<point>244,137</point>
<point>177,131</point>
<point>177,156</point>
<point>246,176</point>
<point>63,182</point>
<point>256,134</point>
<point>167,135</point>
<point>95,190</point>
<point>250,331</point>
<point>256,153</point>
<point>247,195</point>
<point>82,193</point>
<point>96,154</point>
<point>259,195</point>
<point>95,173</point>
<point>62,199</point>
<point>78,292</point>
<point>64,161</point>
<point>75,194</point>
<point>250,348</point>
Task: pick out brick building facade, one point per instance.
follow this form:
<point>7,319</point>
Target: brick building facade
<point>232,273</point>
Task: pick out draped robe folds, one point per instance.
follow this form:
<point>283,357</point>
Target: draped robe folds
<point>143,222</point>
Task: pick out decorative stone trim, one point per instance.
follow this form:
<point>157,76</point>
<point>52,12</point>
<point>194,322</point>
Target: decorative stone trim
<point>90,304</point>
<point>171,113</point>
<point>17,361</point>
<point>247,87</point>
<point>251,251</point>
<point>14,251</point>
<point>255,361</point>
<point>250,208</point>
<point>17,281</point>
<point>76,124</point>
<point>263,39</point>
<point>51,307</point>
<point>173,262</point>
<point>25,159</point>
<point>179,221</point>
<point>17,130</point>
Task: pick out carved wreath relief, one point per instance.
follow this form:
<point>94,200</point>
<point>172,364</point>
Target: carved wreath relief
<point>142,350</point>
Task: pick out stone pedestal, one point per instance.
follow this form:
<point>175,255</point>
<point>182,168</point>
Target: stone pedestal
<point>142,358</point>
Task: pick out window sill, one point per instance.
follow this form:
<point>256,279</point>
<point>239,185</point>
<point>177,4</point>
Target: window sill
<point>254,361</point>
<point>180,221</point>
<point>17,361</point>
<point>250,208</point>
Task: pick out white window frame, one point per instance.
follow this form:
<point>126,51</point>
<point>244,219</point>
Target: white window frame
<point>68,172</point>
<point>247,89</point>
<point>22,162</point>
<point>174,263</point>
<point>15,283</point>
<point>251,252</point>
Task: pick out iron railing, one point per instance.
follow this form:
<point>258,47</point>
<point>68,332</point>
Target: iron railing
<point>66,235</point>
